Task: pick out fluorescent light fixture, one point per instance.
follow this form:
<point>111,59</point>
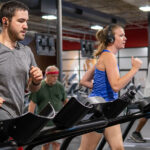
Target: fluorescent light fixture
<point>96,27</point>
<point>49,17</point>
<point>145,8</point>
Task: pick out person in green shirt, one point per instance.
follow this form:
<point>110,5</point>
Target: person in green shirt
<point>51,91</point>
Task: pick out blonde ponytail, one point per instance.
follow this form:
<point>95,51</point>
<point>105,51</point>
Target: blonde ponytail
<point>100,36</point>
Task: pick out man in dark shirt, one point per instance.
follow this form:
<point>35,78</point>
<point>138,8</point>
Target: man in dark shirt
<point>51,91</point>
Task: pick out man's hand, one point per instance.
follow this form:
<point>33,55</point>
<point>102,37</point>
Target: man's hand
<point>1,101</point>
<point>36,75</point>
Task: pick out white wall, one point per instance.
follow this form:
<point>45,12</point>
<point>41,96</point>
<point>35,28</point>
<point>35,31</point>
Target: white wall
<point>73,62</point>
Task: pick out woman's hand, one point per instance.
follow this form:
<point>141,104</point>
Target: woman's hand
<point>136,63</point>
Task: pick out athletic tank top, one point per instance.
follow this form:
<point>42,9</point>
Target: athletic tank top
<point>101,85</point>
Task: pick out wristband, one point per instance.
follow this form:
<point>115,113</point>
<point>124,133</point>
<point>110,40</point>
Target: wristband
<point>35,84</point>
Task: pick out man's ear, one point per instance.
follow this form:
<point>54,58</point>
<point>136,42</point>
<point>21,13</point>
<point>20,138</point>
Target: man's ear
<point>5,21</point>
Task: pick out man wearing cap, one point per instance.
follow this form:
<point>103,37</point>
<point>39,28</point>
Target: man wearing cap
<point>51,91</point>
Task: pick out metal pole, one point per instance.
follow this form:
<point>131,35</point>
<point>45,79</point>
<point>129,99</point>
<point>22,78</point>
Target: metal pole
<point>129,126</point>
<point>66,143</point>
<point>102,144</point>
<point>59,38</point>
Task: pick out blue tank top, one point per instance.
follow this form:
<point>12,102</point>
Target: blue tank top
<point>101,85</point>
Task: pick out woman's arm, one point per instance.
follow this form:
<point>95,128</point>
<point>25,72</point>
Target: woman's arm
<point>117,82</point>
<point>88,77</point>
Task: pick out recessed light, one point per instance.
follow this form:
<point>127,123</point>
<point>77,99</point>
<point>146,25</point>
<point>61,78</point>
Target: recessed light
<point>49,17</point>
<point>96,27</point>
<point>145,8</point>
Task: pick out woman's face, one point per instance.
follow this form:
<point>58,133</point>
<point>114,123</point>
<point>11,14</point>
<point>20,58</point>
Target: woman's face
<point>120,38</point>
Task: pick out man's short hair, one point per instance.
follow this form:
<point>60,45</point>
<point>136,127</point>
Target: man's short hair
<point>49,68</point>
<point>8,9</point>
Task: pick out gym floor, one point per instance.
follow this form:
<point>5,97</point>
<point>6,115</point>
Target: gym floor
<point>128,143</point>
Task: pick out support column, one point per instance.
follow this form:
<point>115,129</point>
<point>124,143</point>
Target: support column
<point>59,38</point>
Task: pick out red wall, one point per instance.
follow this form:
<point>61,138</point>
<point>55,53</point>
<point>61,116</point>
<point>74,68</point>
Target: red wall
<point>135,38</point>
<point>71,45</point>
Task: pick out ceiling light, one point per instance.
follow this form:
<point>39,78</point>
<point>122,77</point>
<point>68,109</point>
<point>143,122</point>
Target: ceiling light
<point>49,17</point>
<point>145,8</point>
<point>96,27</point>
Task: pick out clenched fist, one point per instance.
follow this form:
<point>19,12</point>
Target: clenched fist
<point>136,63</point>
<point>36,75</point>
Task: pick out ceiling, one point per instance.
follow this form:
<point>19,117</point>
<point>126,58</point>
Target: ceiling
<point>79,15</point>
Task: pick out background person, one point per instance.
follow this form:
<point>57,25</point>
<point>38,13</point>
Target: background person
<point>136,135</point>
<point>107,82</point>
<point>17,62</point>
<point>51,91</point>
